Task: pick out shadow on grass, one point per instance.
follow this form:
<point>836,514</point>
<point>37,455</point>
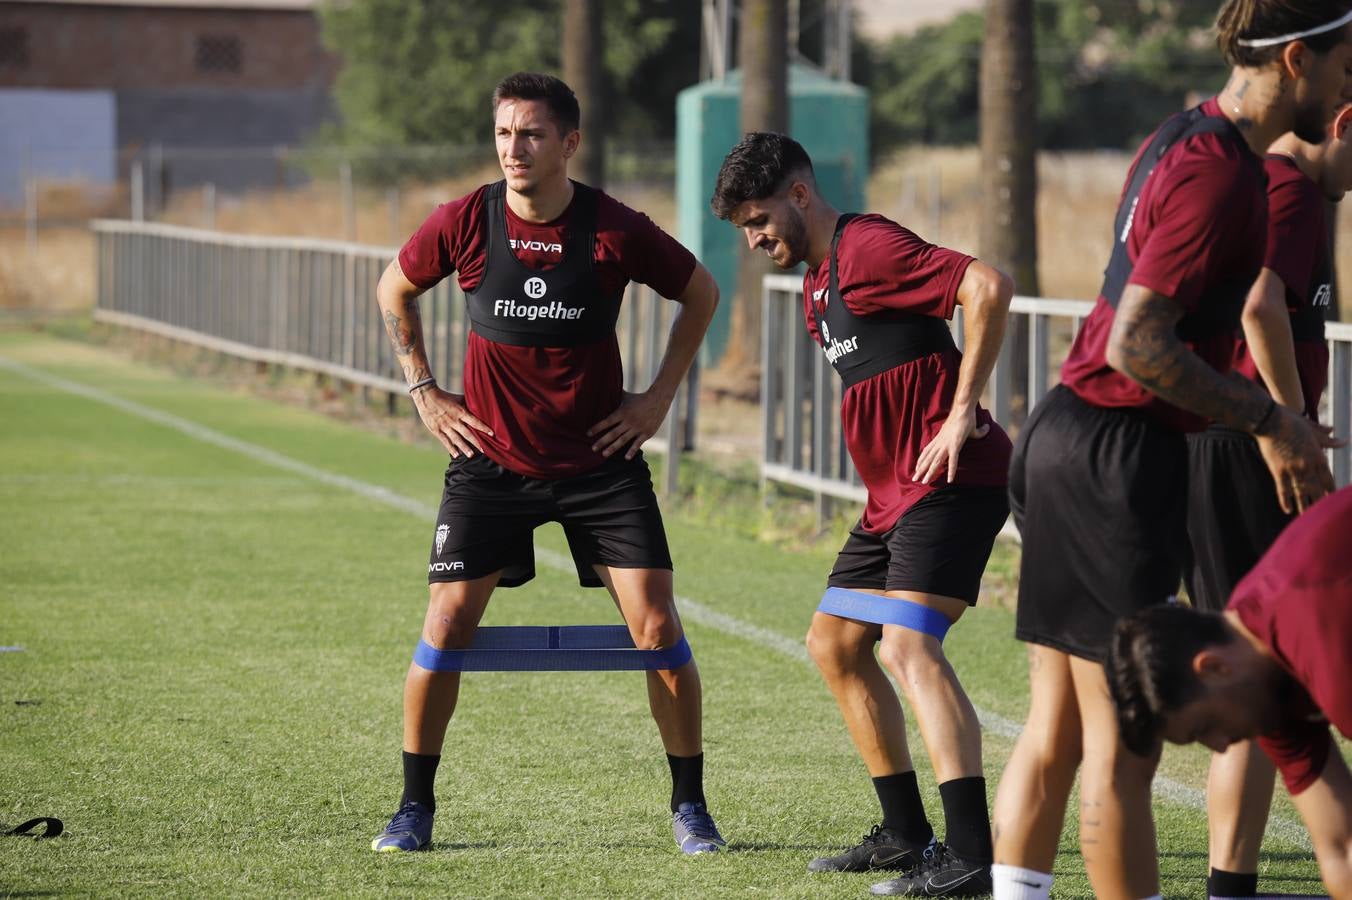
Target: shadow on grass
<point>443,847</point>
<point>737,847</point>
<point>766,846</point>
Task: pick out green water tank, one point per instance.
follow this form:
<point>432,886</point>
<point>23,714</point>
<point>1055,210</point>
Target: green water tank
<point>828,117</point>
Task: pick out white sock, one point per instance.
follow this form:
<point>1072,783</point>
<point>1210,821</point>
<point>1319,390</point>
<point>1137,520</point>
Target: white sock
<point>1154,897</point>
<point>1014,883</point>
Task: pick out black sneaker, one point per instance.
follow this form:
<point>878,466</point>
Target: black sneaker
<point>941,873</point>
<point>881,848</point>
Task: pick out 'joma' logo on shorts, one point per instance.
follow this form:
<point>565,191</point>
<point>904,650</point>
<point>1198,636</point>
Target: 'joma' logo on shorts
<point>446,567</point>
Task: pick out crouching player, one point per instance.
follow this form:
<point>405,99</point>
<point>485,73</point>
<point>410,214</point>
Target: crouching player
<point>875,299</point>
<point>1274,665</point>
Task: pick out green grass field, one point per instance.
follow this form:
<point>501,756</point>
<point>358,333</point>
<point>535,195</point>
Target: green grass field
<point>217,597</point>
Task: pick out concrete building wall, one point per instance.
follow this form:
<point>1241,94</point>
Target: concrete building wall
<point>177,74</point>
<point>56,135</point>
<point>153,47</point>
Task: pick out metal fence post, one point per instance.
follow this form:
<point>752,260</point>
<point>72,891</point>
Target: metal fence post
<point>138,191</point>
<point>1037,359</point>
<point>1340,403</point>
<point>769,382</point>
<point>392,200</point>
<point>31,213</point>
<point>209,205</point>
<point>349,202</point>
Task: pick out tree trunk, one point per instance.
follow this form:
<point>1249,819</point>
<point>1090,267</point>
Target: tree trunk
<point>584,70</point>
<point>762,49</point>
<point>1009,142</point>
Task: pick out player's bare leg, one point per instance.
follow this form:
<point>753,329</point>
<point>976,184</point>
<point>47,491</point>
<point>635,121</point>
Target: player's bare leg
<point>453,614</point>
<point>952,735</point>
<point>942,709</point>
<point>647,601</point>
<point>1117,829</point>
<point>1238,798</point>
<point>1030,804</point>
<point>843,652</point>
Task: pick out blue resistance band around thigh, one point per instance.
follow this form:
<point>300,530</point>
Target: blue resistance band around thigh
<point>884,611</point>
<point>552,648</point>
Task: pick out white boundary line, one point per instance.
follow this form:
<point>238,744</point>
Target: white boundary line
<point>1278,828</point>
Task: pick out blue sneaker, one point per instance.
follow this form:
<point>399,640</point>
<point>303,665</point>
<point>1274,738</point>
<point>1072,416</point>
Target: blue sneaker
<point>409,829</point>
<point>695,830</point>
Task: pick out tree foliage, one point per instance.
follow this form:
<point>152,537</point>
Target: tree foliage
<point>422,71</point>
<point>1108,71</point>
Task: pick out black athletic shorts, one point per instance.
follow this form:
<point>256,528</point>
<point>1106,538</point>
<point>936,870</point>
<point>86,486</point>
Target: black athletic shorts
<point>1100,497</point>
<point>938,546</point>
<point>1233,513</point>
<point>488,515</point>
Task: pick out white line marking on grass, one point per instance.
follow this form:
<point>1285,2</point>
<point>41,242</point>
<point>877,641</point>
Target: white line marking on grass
<point>224,441</point>
<point>1278,828</point>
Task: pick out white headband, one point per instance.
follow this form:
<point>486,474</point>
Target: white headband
<point>1272,42</point>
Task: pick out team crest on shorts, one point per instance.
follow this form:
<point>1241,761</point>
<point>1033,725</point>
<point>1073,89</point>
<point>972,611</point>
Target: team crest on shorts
<point>442,531</point>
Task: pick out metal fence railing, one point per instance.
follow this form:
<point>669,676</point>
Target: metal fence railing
<point>310,304</point>
<point>803,444</point>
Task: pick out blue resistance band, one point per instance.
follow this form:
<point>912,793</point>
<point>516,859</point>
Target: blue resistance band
<point>884,611</point>
<point>552,648</point>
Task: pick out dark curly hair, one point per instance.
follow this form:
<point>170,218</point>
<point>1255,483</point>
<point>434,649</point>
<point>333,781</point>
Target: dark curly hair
<point>758,167</point>
<point>1258,19</point>
<point>1149,667</point>
<point>558,97</point>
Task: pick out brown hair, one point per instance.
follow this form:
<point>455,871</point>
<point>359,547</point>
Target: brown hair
<point>1149,667</point>
<point>557,96</point>
<point>758,167</point>
<point>1257,19</point>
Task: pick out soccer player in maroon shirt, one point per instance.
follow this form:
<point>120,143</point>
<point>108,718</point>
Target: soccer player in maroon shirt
<point>1275,665</point>
<point>544,430</point>
<point>1234,511</point>
<point>1098,480</point>
<point>875,298</point>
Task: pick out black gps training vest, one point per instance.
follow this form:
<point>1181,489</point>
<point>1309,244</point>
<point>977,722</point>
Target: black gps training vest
<point>863,346</point>
<point>1219,314</point>
<point>558,307</point>
<point>1307,320</point>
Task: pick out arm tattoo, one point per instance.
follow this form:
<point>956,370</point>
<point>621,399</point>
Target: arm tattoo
<point>413,373</point>
<point>403,332</point>
<point>1152,355</point>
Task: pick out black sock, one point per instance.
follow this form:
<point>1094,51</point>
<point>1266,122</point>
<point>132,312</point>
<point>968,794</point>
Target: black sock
<point>420,773</point>
<point>967,823</point>
<point>1221,883</point>
<point>903,811</point>
<point>687,779</point>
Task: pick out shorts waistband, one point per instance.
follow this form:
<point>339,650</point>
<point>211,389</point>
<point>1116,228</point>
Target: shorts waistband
<point>1222,432</point>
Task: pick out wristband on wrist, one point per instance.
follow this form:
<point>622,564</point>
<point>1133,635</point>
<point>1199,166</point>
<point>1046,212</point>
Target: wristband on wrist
<point>1262,423</point>
<point>430,379</point>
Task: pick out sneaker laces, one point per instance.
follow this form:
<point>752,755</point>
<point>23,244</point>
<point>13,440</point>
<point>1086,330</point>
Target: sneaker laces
<point>874,836</point>
<point>932,859</point>
<point>405,819</point>
<point>697,822</point>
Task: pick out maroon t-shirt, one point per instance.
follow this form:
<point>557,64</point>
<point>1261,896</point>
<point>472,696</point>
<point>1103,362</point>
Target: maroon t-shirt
<point>1297,251</point>
<point>889,418</point>
<point>1298,601</point>
<point>540,401</point>
<point>1200,217</point>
